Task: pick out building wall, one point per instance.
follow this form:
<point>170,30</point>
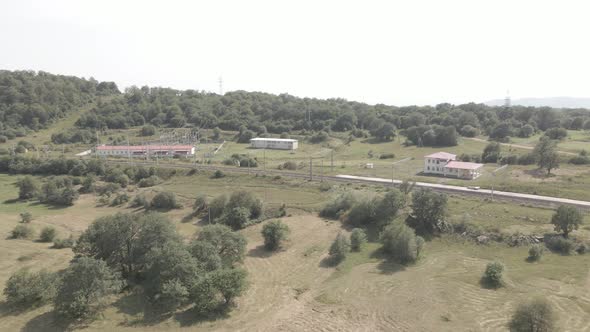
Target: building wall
<point>270,144</point>
<point>140,153</point>
<point>434,166</point>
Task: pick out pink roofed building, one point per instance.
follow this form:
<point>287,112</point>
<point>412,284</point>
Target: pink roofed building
<point>145,150</point>
<point>445,164</point>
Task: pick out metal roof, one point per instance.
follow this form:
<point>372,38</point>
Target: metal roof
<point>273,139</point>
<point>442,155</point>
<point>463,165</point>
<point>143,147</point>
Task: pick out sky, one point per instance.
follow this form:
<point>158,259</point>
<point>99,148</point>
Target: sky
<point>420,52</point>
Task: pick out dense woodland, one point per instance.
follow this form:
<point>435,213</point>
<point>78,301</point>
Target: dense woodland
<point>30,101</point>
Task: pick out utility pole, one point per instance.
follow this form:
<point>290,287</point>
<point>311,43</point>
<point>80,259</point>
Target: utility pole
<point>494,172</point>
<point>310,170</point>
<point>322,171</point>
<point>332,160</point>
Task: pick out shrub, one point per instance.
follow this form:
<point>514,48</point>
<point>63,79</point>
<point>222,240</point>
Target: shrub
<point>22,232</point>
<point>274,233</point>
<point>140,200</point>
<point>559,244</point>
<point>364,211</point>
<point>30,288</point>
<point>28,187</point>
<point>527,159</point>
<point>64,243</point>
<point>556,133</point>
<point>290,165</point>
<point>536,252</point>
<point>325,186</point>
<point>509,160</point>
<point>120,199</point>
<point>165,200</point>
<point>493,274</point>
<point>580,160</point>
<point>582,248</point>
<point>217,206</point>
<point>536,315</point>
<point>338,205</point>
<point>319,137</point>
<point>399,242</point>
<point>149,181</point>
<point>218,174</point>
<point>339,249</point>
<point>47,234</point>
<point>26,217</point>
<point>387,156</point>
<point>200,203</point>
<point>148,130</point>
<point>358,238</point>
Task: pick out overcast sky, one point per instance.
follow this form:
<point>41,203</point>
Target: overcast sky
<point>394,52</point>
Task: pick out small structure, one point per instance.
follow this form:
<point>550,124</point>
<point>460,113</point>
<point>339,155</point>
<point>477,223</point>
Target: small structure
<point>445,164</point>
<point>274,143</point>
<point>145,150</point>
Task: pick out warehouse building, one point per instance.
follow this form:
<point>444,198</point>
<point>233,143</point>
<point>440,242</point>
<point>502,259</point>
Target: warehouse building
<point>445,164</point>
<point>274,143</point>
<point>145,150</point>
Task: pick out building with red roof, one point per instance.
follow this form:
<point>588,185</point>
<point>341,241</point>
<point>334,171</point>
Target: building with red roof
<point>445,164</point>
<point>145,150</point>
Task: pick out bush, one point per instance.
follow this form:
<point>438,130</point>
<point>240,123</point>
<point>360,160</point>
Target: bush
<point>559,244</point>
<point>149,181</point>
<point>399,242</point>
<point>120,199</point>
<point>364,211</point>
<point>165,200</point>
<point>582,248</point>
<point>325,186</point>
<point>200,203</point>
<point>290,165</point>
<point>274,233</point>
<point>580,160</point>
<point>338,205</point>
<point>387,156</point>
<point>47,234</point>
<point>28,187</point>
<point>527,159</point>
<point>509,160</point>
<point>493,274</point>
<point>536,315</point>
<point>218,174</point>
<point>339,249</point>
<point>148,130</point>
<point>30,288</point>
<point>26,217</point>
<point>536,252</point>
<point>319,137</point>
<point>358,238</point>
<point>556,133</point>
<point>64,243</point>
<point>140,200</point>
<point>22,232</point>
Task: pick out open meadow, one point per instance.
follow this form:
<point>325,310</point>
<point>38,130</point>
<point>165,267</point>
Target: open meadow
<point>294,289</point>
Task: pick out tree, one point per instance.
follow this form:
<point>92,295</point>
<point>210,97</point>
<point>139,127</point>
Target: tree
<point>47,234</point>
<point>358,238</point>
<point>86,284</point>
<point>399,242</point>
<point>30,288</point>
<point>229,283</point>
<point>491,153</point>
<point>428,211</point>
<point>536,315</point>
<point>148,130</point>
<point>546,154</point>
<point>22,232</point>
<point>28,187</point>
<point>26,217</point>
<point>493,274</point>
<point>385,132</point>
<point>388,207</point>
<point>236,217</point>
<point>566,219</point>
<point>229,245</point>
<point>339,249</point>
<point>274,233</point>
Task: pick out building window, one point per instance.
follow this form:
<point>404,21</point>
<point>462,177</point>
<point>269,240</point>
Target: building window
<point>428,168</point>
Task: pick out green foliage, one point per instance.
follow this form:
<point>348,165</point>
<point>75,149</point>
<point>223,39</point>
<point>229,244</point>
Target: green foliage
<point>546,154</point>
<point>58,191</point>
<point>26,288</point>
<point>319,137</point>
<point>431,135</point>
<point>229,245</point>
<point>200,203</point>
<point>148,130</point>
<point>289,165</point>
<point>491,153</point>
<point>387,156</point>
<point>28,187</point>
<point>88,184</point>
<point>428,211</point>
<point>22,232</point>
<point>339,249</point>
<point>566,219</point>
<point>492,276</point>
<point>165,200</point>
<point>536,252</point>
<point>26,217</point>
<point>399,242</point>
<point>364,211</point>
<point>47,234</point>
<point>218,174</point>
<point>120,199</point>
<point>237,211</point>
<point>140,200</point>
<point>339,204</point>
<point>86,284</point>
<point>556,133</point>
<point>64,243</point>
<point>536,315</point>
<point>358,238</point>
<point>274,232</point>
<point>149,181</point>
<point>559,244</point>
<point>236,218</point>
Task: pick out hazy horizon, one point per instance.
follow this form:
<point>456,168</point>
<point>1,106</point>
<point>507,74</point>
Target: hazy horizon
<point>422,53</point>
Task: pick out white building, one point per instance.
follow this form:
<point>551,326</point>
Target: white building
<point>274,143</point>
<point>445,164</point>
<point>145,150</point>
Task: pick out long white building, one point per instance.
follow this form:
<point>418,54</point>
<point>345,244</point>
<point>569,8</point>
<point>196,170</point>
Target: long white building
<point>445,164</point>
<point>274,143</point>
<point>145,150</point>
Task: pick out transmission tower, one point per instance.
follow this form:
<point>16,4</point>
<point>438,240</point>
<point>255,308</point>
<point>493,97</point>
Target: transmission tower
<point>507,99</point>
<point>220,81</point>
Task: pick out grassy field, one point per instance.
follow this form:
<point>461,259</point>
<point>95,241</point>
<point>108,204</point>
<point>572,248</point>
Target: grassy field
<point>295,290</point>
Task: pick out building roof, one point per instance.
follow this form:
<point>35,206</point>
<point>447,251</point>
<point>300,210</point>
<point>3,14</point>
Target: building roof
<point>442,155</point>
<point>143,147</point>
<point>273,139</point>
<point>463,165</point>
